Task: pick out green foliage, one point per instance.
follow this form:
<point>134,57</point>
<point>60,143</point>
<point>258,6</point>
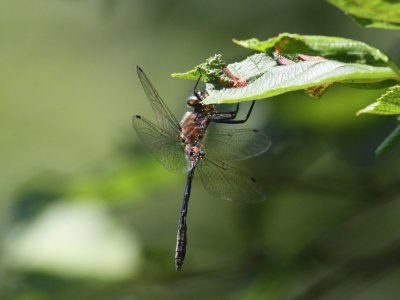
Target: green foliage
<point>387,104</point>
<point>209,70</point>
<point>338,48</point>
<point>276,79</point>
<point>372,13</point>
<point>334,60</point>
<point>378,14</point>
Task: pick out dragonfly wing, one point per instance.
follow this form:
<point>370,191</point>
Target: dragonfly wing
<point>165,118</point>
<point>235,144</point>
<point>166,148</point>
<point>228,183</point>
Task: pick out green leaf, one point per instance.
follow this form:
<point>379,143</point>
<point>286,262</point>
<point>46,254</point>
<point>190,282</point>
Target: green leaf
<point>372,13</point>
<point>265,78</point>
<point>209,71</point>
<point>331,60</point>
<point>392,139</point>
<point>387,104</point>
<point>368,23</point>
<point>337,48</point>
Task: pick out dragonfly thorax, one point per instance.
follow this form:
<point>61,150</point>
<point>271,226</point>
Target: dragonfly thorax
<point>194,124</point>
<point>193,128</point>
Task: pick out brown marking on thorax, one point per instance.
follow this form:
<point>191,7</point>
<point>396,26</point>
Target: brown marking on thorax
<point>193,128</point>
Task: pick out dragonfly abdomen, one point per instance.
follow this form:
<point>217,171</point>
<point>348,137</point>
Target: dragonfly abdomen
<point>181,241</point>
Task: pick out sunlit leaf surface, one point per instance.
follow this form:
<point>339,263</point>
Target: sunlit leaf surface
<point>387,104</point>
<point>327,60</point>
<point>270,80</point>
<point>339,48</point>
<point>372,13</point>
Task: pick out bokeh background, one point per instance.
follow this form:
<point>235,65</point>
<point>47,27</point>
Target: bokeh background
<point>87,213</point>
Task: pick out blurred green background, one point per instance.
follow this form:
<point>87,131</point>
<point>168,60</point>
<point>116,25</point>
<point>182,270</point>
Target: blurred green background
<point>87,213</point>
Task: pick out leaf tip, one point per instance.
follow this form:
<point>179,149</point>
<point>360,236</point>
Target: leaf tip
<point>370,109</point>
<point>360,112</point>
<point>177,75</point>
<point>235,41</point>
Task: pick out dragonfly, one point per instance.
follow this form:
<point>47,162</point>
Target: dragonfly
<point>188,145</point>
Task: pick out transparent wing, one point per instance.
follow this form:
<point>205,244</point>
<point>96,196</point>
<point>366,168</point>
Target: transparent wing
<point>165,148</point>
<point>228,183</point>
<point>235,144</point>
<point>165,118</point>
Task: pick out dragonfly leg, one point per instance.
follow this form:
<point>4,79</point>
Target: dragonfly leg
<point>226,115</point>
<point>195,92</point>
<point>230,119</point>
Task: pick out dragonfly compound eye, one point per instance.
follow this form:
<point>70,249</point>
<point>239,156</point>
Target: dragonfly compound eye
<point>193,101</point>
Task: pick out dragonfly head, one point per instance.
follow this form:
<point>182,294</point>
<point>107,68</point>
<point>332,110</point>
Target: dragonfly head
<point>194,100</point>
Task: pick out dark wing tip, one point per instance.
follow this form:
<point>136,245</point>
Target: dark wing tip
<point>139,70</point>
<point>135,117</point>
<point>255,130</point>
<point>253,179</point>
